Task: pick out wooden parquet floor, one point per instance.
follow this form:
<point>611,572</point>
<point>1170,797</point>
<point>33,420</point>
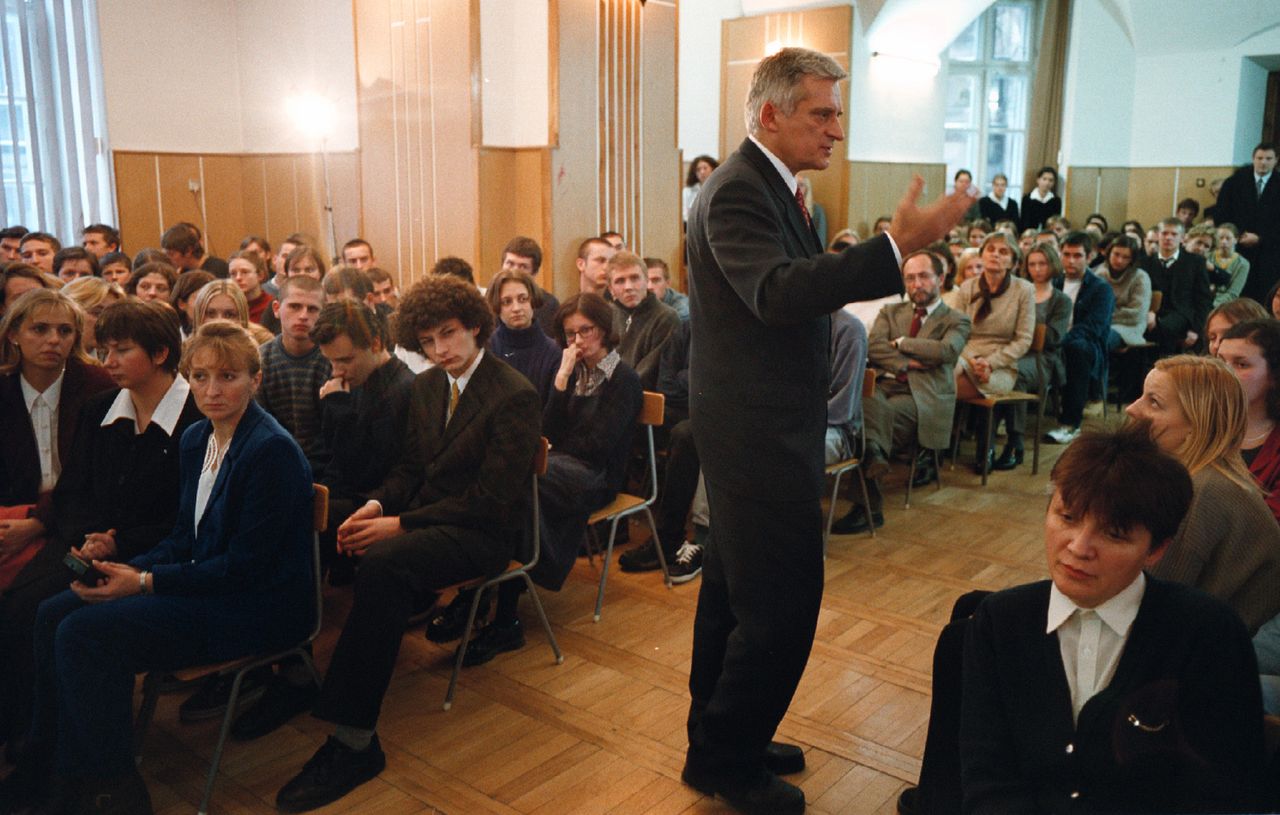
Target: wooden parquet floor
<point>604,732</point>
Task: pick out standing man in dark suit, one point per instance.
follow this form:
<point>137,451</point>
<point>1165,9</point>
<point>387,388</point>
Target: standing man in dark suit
<point>1250,199</point>
<point>450,510</point>
<point>762,293</point>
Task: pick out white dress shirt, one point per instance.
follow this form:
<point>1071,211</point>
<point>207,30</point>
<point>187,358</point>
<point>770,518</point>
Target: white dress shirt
<point>43,409</point>
<point>1092,640</point>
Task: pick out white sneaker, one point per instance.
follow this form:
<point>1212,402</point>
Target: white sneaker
<point>688,563</point>
<point>1063,435</point>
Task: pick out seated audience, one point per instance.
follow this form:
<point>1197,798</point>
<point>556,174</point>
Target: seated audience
<point>223,300</point>
<point>659,275</point>
<point>232,578</point>
<point>19,278</point>
<point>1229,543</point>
<point>997,205</point>
<point>842,241</point>
<point>455,266</point>
<point>914,347</point>
<point>349,283</point>
<point>358,252</point>
<point>1059,226</point>
<point>614,239</point>
<point>93,295</point>
<point>280,262</point>
<point>37,249</point>
<point>1186,212</point>
<point>1041,203</point>
<point>1222,318</point>
<point>100,239</point>
<point>73,262</point>
<point>1251,348</point>
<point>1181,278</point>
<point>517,338</point>
<point>1084,347</point>
<point>1230,270</point>
<point>977,232</point>
<point>294,370</point>
<point>523,254</point>
<point>184,246</point>
<point>118,493</point>
<point>593,257</point>
<point>1150,685</point>
<point>1001,308</point>
<point>385,292</point>
<point>183,299</point>
<point>11,243</point>
<point>967,266</point>
<point>115,268</point>
<point>643,324</point>
<point>1131,287</point>
<point>453,508</point>
<point>152,281</point>
<point>247,268</point>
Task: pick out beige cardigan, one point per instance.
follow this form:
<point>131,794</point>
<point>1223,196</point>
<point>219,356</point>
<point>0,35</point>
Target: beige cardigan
<point>1004,336</point>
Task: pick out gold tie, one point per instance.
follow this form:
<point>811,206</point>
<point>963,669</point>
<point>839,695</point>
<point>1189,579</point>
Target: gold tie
<point>453,399</point>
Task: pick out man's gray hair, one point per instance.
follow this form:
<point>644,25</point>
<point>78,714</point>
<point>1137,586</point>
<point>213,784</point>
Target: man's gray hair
<point>778,79</point>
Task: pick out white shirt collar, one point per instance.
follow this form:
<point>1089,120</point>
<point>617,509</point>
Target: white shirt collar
<point>1118,613</point>
<point>166,414</point>
<point>1035,195</point>
<point>466,375</point>
<point>931,308</point>
<point>52,394</point>
<point>787,176</point>
<point>999,200</point>
<point>1265,179</point>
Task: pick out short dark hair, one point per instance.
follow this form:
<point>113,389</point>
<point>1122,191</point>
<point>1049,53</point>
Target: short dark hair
<point>110,235</point>
<point>155,267</point>
<point>188,284</point>
<point>1126,241</point>
<point>658,263</point>
<point>183,238</point>
<point>1082,239</point>
<point>347,278</point>
<point>1098,216</point>
<point>1264,333</point>
<point>377,274</point>
<point>585,247</point>
<point>1125,480</point>
<point>258,261</point>
<point>356,320</point>
<point>612,233</point>
<point>76,253</point>
<point>435,299</point>
<point>152,325</point>
<point>1264,145</point>
<point>303,283</point>
<point>525,248</point>
<point>938,264</point>
<point>594,308</point>
<point>250,240</point>
<point>22,270</point>
<point>353,243</point>
<point>114,257</point>
<point>691,177</point>
<point>494,293</point>
<point>16,231</point>
<point>455,266</point>
<point>1189,203</point>
<point>960,172</point>
<point>42,236</point>
<point>148,255</point>
<point>300,252</point>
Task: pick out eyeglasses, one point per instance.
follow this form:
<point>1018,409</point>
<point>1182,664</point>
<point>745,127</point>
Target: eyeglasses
<point>587,331</point>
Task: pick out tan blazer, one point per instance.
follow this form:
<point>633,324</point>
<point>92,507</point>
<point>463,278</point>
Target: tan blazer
<point>1004,336</point>
<point>938,346</point>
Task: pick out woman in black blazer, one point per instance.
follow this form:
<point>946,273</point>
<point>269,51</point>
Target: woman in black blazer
<point>998,206</point>
<point>1042,203</point>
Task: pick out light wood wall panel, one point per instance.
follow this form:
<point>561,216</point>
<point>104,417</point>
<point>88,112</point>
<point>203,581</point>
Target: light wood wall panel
<point>269,195</point>
<point>1145,194</point>
<point>418,125</point>
<point>661,180</point>
<point>875,188</point>
<point>515,199</point>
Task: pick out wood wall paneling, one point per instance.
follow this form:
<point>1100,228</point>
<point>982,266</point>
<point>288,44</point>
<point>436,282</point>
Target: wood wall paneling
<point>223,201</point>
<point>1145,194</point>
<point>661,175</point>
<point>136,204</point>
<point>177,202</point>
<point>515,187</point>
<point>575,187</point>
<point>875,188</point>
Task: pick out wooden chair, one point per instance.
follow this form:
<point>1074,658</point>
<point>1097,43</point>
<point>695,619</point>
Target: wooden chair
<point>241,667</point>
<point>625,505</point>
<point>837,469</point>
<point>514,570</point>
<point>989,403</point>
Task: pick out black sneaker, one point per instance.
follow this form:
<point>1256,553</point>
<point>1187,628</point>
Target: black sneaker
<point>211,700</point>
<point>496,638</point>
<point>331,773</point>
<point>687,564</point>
<point>643,558</point>
<point>280,703</point>
<point>449,624</point>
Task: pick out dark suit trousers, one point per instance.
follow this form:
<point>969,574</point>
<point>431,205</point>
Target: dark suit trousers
<point>758,605</point>
<point>42,577</point>
<point>1079,356</point>
<point>678,487</point>
<point>395,576</point>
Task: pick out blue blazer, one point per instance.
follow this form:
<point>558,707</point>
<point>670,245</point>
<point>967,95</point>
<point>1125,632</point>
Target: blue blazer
<point>1091,318</point>
<point>254,541</point>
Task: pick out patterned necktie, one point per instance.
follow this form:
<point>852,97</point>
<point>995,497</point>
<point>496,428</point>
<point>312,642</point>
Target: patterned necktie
<point>803,209</point>
<point>1261,184</point>
<point>454,393</point>
<point>917,320</point>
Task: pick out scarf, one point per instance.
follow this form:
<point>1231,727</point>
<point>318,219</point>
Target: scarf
<point>985,295</point>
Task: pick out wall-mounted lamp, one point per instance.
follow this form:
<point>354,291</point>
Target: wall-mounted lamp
<point>921,65</point>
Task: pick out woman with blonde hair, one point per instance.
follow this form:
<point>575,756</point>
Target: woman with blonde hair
<point>1229,544</point>
<point>223,300</point>
<point>93,294</point>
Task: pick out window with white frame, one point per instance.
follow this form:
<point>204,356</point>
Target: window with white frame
<point>990,68</point>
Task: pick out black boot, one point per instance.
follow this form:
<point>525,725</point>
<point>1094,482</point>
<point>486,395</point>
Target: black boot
<point>1011,457</point>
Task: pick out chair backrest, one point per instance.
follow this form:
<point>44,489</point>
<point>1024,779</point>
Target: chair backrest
<point>539,469</point>
<point>1157,298</point>
<point>1037,339</point>
<point>320,508</point>
<point>868,383</point>
<point>319,522</point>
<point>653,411</point>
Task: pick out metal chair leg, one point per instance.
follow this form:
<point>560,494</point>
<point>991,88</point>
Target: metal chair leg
<point>866,502</point>
<point>657,546</point>
<point>604,567</point>
<point>937,469</point>
<point>986,448</point>
<point>831,513</point>
<point>542,615</point>
<point>150,696</point>
<point>911,476</point>
<point>222,740</point>
<point>462,648</point>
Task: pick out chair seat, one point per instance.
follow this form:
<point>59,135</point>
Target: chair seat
<point>843,466</point>
<point>621,503</point>
<point>201,671</point>
<point>1002,399</point>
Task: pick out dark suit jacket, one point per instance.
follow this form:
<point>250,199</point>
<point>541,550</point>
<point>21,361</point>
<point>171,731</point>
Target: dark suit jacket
<point>1188,670</point>
<point>1091,316</point>
<point>19,458</point>
<point>1238,204</point>
<point>761,292</point>
<point>993,212</point>
<point>1186,299</point>
<point>474,471</point>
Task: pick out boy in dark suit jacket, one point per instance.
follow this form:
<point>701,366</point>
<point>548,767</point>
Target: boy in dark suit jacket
<point>450,510</point>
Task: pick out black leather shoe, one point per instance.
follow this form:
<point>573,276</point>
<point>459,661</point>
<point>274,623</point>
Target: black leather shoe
<point>926,473</point>
<point>277,706</point>
<point>856,522</point>
<point>762,793</point>
<point>783,759</point>
<point>332,772</point>
<point>991,462</point>
<point>1010,457</point>
<point>495,639</point>
<point>449,624</point>
<point>122,795</point>
<point>909,801</point>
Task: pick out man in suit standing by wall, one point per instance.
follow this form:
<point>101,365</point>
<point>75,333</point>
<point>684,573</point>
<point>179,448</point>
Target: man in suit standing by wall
<point>761,295</point>
<point>1250,199</point>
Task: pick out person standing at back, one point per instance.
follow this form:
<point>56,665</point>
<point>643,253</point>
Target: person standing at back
<point>761,295</point>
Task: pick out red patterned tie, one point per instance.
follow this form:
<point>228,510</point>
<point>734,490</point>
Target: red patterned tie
<point>803,209</point>
<point>916,321</point>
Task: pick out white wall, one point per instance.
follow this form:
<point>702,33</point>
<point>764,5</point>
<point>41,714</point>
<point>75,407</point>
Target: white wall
<point>1097,121</point>
<point>514,53</point>
<point>698,104</point>
<point>212,76</point>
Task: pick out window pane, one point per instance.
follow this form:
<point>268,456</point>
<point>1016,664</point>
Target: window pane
<point>965,48</point>
<point>962,108</point>
<point>1010,41</point>
<point>1006,100</point>
<point>960,151</point>
<point>1006,153</point>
